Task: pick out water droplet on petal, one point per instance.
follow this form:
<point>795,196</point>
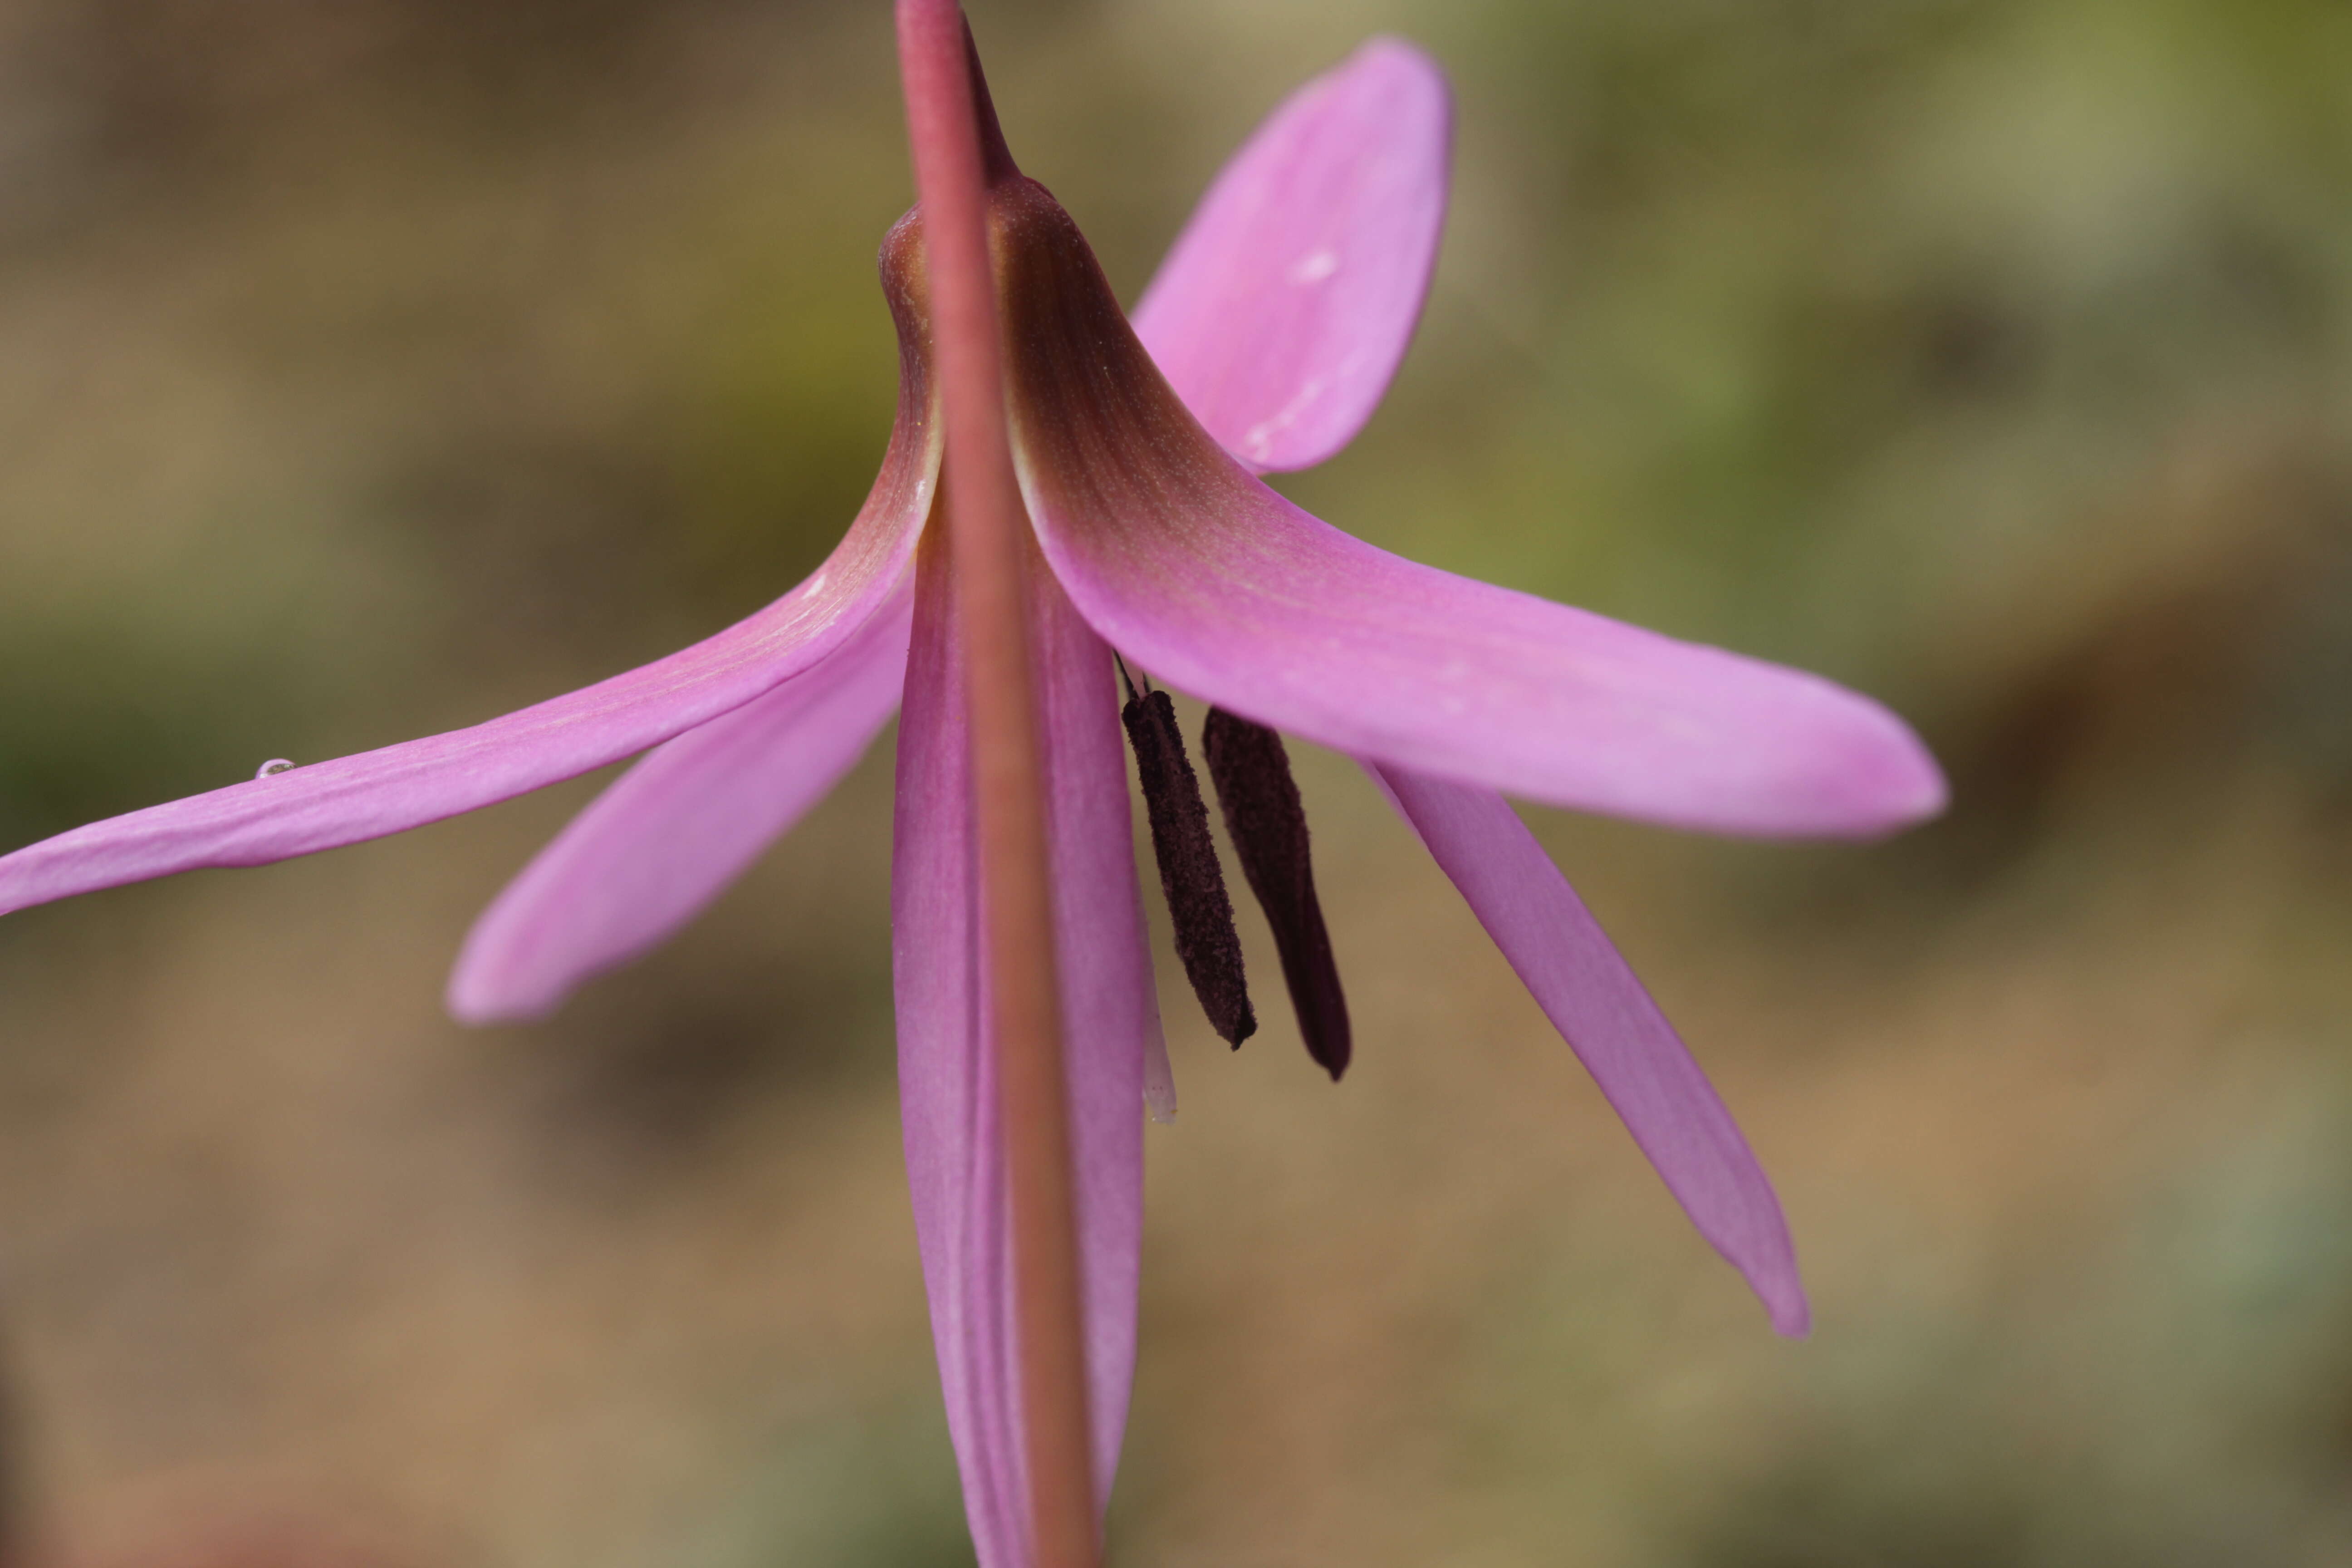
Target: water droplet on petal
<point>273,765</point>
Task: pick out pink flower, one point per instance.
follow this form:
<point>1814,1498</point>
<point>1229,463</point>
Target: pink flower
<point>1271,333</point>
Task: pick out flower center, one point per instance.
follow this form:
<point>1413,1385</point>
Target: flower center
<point>1090,410</point>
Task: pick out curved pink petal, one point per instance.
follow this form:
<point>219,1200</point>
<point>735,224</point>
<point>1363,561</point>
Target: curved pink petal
<point>327,804</point>
<point>1594,998</point>
<point>1248,603</point>
<point>1283,308</point>
<point>955,1160</point>
<point>676,829</point>
<point>332,804</point>
<point>1187,563</point>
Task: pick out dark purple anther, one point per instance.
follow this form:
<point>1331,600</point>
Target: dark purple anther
<point>1190,876</point>
<point>1268,828</point>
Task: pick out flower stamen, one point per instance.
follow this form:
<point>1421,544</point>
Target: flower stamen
<point>1268,827</point>
<point>1190,874</point>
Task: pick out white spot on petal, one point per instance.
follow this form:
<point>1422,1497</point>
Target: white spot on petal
<point>1314,267</point>
<point>1258,442</point>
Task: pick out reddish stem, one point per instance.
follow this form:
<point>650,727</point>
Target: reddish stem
<point>954,160</point>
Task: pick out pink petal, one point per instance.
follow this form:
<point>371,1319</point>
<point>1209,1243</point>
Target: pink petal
<point>1585,988</point>
<point>327,804</point>
<point>1283,310</point>
<point>676,830</point>
<point>955,1160</point>
<point>1188,564</point>
<point>1247,602</point>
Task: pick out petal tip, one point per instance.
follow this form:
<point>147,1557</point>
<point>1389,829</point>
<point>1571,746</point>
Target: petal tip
<point>1391,52</point>
<point>1928,798</point>
<point>1862,773</point>
<point>1792,1315</point>
<point>1906,784</point>
<point>478,998</point>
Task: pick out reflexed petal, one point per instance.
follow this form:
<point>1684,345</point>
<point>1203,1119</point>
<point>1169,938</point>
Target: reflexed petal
<point>1194,569</point>
<point>946,1073</point>
<point>676,830</point>
<point>1586,989</point>
<point>1283,310</point>
<point>1110,1011</point>
<point>327,804</point>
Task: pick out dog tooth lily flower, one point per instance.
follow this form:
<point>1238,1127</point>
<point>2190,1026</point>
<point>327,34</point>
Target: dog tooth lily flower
<point>1272,331</point>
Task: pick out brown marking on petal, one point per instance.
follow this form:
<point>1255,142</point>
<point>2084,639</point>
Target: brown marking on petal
<point>1190,875</point>
<point>1268,827</point>
<point>1094,421</point>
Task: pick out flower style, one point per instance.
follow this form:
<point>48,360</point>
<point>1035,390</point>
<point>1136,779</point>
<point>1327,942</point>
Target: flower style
<point>1270,333</point>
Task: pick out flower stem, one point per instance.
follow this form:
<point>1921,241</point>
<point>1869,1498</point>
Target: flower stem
<point>982,500</point>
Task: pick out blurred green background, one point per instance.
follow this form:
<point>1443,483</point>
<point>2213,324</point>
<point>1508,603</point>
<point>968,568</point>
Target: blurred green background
<point>368,367</point>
